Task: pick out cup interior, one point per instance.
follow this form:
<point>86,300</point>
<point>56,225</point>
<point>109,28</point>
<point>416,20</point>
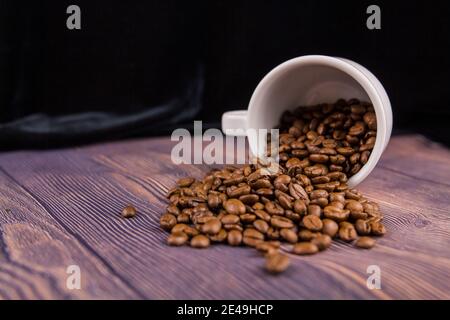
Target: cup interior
<point>312,80</point>
<point>300,85</point>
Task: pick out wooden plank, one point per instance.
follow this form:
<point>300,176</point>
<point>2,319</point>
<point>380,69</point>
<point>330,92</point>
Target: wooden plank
<point>84,189</point>
<point>35,252</point>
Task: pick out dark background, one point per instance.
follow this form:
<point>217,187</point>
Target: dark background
<point>146,67</point>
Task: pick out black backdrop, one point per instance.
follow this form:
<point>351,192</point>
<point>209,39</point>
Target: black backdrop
<point>146,67</point>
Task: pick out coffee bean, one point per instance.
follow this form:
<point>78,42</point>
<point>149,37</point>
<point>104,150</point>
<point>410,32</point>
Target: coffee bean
<point>230,219</point>
<point>251,242</point>
<point>335,213</point>
<point>330,227</point>
<point>253,233</point>
<point>220,236</point>
<point>185,182</point>
<point>281,222</point>
<point>304,248</point>
<point>167,221</point>
<point>213,201</point>
<point>277,263</point>
<point>212,226</point>
<point>247,218</point>
<point>289,235</point>
<point>183,218</point>
<point>261,225</point>
<point>267,247</point>
<point>249,199</point>
<point>300,206</point>
<point>377,229</point>
<point>365,242</point>
<point>273,233</point>
<point>347,232</point>
<point>362,227</point>
<point>239,191</point>
<point>234,206</point>
<point>234,237</point>
<point>298,192</point>
<point>322,241</point>
<point>172,209</point>
<point>200,241</point>
<point>312,223</point>
<point>177,239</point>
<point>306,235</point>
<point>274,208</point>
<point>261,214</point>
<point>129,212</point>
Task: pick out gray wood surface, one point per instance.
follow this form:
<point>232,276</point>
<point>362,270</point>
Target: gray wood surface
<point>62,207</point>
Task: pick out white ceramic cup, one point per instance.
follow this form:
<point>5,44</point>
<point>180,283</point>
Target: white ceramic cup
<point>310,80</point>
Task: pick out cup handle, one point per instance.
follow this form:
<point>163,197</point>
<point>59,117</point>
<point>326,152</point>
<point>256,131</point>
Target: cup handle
<point>234,123</point>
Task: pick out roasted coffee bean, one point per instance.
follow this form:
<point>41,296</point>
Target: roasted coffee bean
<point>184,218</point>
<point>365,242</point>
<point>129,212</point>
<point>304,248</point>
<point>322,241</point>
<point>249,199</point>
<point>306,235</point>
<point>273,233</point>
<point>281,222</point>
<point>314,210</point>
<point>220,236</point>
<point>274,208</point>
<point>285,201</point>
<point>261,214</point>
<point>298,192</point>
<point>319,158</point>
<point>230,219</point>
<point>177,239</point>
<point>261,225</point>
<point>172,209</point>
<point>185,182</point>
<point>251,242</point>
<point>213,200</point>
<point>335,213</point>
<point>179,227</point>
<point>289,235</point>
<point>347,232</point>
<point>212,226</point>
<point>200,241</point>
<point>321,202</point>
<point>277,263</point>
<point>377,229</point>
<point>253,233</point>
<point>300,206</point>
<point>330,227</point>
<point>234,206</point>
<point>234,237</point>
<point>312,222</point>
<point>362,227</point>
<point>167,221</point>
<point>267,247</point>
<point>247,218</point>
<point>190,231</point>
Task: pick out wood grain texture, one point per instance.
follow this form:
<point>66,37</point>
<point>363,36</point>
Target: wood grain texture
<point>65,209</point>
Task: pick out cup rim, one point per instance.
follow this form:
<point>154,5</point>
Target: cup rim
<point>359,76</point>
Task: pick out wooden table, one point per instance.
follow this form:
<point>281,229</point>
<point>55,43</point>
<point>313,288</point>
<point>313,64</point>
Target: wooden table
<point>62,207</point>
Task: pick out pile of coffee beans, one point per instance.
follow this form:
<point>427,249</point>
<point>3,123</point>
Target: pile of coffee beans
<point>304,202</point>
